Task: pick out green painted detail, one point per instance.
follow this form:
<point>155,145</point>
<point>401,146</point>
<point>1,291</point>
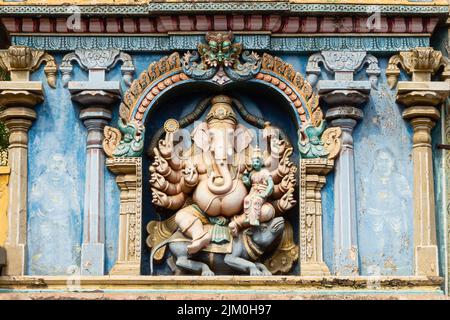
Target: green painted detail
<point>310,145</point>
<point>132,143</point>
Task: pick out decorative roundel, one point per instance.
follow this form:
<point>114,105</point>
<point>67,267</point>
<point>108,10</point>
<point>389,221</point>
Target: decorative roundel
<point>171,126</point>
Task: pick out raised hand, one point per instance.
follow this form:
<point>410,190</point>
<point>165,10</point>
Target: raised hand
<point>190,175</point>
<point>158,181</point>
<point>285,163</point>
<point>160,198</point>
<point>288,181</point>
<point>287,202</point>
<point>166,146</point>
<point>160,164</point>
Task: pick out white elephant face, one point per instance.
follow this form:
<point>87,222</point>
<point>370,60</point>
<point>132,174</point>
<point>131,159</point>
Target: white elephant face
<point>222,139</point>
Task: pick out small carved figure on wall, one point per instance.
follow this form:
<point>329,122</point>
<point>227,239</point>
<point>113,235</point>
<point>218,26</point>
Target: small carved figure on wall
<point>256,207</point>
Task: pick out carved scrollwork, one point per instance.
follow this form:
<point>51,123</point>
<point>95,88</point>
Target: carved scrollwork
<point>127,141</point>
<point>93,59</point>
<point>422,59</point>
<point>331,140</point>
<point>284,257</point>
<point>340,61</point>
<point>316,142</point>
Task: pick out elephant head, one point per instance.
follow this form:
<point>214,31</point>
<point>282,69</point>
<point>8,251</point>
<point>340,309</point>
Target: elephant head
<point>221,137</point>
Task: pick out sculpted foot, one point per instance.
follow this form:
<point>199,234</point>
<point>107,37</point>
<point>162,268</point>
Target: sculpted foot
<point>255,272</point>
<point>199,244</point>
<point>207,273</point>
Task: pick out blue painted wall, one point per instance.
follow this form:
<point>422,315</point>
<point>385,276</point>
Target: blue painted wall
<point>383,164</point>
<point>57,165</point>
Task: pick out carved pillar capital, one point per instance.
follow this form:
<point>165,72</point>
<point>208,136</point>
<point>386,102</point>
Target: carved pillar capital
<point>21,61</point>
<point>19,96</point>
<point>421,63</point>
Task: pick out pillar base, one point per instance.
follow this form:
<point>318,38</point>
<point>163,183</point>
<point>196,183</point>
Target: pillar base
<point>126,269</point>
<point>316,269</point>
<point>93,259</point>
<point>426,261</point>
<point>15,260</point>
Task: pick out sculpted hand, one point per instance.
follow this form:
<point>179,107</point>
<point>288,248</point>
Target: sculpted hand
<point>285,163</point>
<point>287,202</point>
<point>166,146</point>
<point>288,181</point>
<point>158,181</point>
<point>159,198</point>
<point>160,164</point>
<point>190,175</point>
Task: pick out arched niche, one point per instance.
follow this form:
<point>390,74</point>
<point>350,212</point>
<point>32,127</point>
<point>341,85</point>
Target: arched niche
<point>170,76</point>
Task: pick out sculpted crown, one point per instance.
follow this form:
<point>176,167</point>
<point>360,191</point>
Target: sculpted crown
<point>221,110</point>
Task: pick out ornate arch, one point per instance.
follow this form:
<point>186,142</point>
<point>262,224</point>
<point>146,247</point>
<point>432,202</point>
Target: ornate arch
<point>206,65</point>
<point>219,63</point>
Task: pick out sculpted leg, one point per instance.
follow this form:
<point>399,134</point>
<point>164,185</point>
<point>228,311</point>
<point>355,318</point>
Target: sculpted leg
<point>263,269</point>
<point>242,265</point>
<point>267,212</point>
<point>192,227</point>
<point>194,266</point>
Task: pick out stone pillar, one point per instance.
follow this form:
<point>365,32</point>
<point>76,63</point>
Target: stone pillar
<point>344,98</point>
<point>313,176</point>
<point>129,180</point>
<point>422,98</point>
<point>93,248</point>
<point>96,98</point>
<point>19,96</point>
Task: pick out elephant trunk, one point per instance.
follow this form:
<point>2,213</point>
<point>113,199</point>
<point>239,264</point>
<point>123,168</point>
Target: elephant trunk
<point>221,182</point>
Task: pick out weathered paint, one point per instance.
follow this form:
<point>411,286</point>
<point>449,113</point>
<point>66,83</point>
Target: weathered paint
<point>57,165</point>
<point>383,142</point>
<point>56,179</point>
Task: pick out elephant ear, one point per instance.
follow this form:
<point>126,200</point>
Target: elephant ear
<point>200,135</point>
<point>242,138</point>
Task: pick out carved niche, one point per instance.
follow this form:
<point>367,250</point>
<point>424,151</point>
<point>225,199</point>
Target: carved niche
<point>220,61</point>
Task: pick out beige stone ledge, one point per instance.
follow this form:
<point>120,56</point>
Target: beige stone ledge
<point>235,284</point>
<point>213,296</point>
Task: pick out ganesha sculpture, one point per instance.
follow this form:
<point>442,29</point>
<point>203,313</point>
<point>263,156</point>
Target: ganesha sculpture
<point>221,185</point>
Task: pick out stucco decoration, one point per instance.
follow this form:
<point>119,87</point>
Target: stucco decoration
<point>342,63</point>
<point>220,60</point>
<point>215,67</point>
<point>416,62</point>
<point>316,142</point>
<point>171,71</point>
<point>20,61</point>
<point>93,59</point>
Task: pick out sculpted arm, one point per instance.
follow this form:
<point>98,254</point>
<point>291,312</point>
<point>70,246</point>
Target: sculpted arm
<point>286,202</point>
<point>283,168</point>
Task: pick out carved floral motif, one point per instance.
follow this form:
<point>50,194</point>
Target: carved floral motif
<point>423,60</point>
<point>94,59</point>
<point>22,58</point>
